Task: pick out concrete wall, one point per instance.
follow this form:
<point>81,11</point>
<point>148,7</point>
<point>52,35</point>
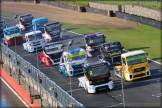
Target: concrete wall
<point>130,9</point>
<point>105,6</point>
<point>142,11</point>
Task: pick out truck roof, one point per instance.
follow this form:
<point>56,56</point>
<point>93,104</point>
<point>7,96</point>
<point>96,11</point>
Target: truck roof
<point>93,35</point>
<point>25,15</point>
<point>133,53</point>
<point>52,44</point>
<point>94,63</point>
<point>38,19</point>
<point>11,28</point>
<point>77,50</point>
<point>51,23</point>
<point>33,32</point>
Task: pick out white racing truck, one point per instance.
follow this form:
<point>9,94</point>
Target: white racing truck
<point>34,41</point>
<point>52,32</point>
<point>96,77</point>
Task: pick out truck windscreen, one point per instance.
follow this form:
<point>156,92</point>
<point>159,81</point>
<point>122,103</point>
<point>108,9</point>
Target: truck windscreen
<point>35,37</point>
<point>41,23</point>
<point>53,28</point>
<point>98,70</point>
<point>136,59</point>
<point>96,40</point>
<point>24,19</point>
<point>53,49</point>
<point>13,31</point>
<point>77,56</point>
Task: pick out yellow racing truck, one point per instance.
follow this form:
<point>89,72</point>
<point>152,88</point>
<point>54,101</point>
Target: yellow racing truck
<point>134,66</point>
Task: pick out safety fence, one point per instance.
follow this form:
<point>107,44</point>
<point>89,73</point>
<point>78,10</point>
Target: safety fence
<point>140,19</point>
<point>39,85</point>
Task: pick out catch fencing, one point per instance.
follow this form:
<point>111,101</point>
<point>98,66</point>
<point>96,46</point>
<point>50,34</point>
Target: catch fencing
<point>36,80</point>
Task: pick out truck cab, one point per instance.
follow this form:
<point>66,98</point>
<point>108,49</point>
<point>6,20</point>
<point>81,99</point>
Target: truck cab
<point>12,36</point>
<point>92,41</point>
<point>3,25</point>
<point>38,24</point>
<point>72,60</point>
<point>25,22</point>
<point>111,52</point>
<point>34,41</point>
<point>96,77</point>
<point>52,32</point>
<point>134,66</point>
<point>52,53</point>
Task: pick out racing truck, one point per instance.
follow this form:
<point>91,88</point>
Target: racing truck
<point>3,25</point>
<point>92,41</point>
<point>12,36</point>
<point>25,22</point>
<point>52,31</point>
<point>34,41</point>
<point>111,52</point>
<point>38,24</point>
<point>134,66</point>
<point>52,53</point>
<point>96,77</point>
<point>71,62</point>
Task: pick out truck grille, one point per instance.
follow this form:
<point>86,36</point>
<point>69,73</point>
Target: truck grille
<point>139,75</point>
<point>102,88</point>
<point>78,69</point>
<point>38,48</point>
<point>139,69</point>
<point>36,43</point>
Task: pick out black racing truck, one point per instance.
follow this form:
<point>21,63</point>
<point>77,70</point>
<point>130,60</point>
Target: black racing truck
<point>111,52</point>
<point>96,77</point>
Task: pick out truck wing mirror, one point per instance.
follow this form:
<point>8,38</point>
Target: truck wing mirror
<point>104,36</point>
<point>122,47</point>
<point>146,53</point>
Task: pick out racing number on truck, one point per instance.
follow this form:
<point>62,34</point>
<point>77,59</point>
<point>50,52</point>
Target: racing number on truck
<point>91,73</point>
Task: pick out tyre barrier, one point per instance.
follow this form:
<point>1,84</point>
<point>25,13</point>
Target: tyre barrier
<point>140,19</point>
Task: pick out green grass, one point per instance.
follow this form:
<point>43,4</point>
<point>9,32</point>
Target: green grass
<point>119,2</point>
<point>7,14</point>
<point>139,37</point>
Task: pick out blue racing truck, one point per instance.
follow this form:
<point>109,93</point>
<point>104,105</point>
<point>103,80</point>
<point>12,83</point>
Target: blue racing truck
<point>3,25</point>
<point>72,61</point>
<point>38,24</point>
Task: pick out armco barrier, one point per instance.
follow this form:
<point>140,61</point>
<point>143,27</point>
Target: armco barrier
<point>33,77</point>
<point>140,19</point>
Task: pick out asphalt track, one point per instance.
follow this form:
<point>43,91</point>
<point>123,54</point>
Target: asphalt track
<point>8,98</point>
<point>142,93</point>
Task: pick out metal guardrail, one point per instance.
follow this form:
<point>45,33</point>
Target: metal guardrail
<point>47,89</point>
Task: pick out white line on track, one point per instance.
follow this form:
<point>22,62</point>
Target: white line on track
<point>68,83</point>
<point>15,93</point>
<point>83,35</point>
<point>75,89</point>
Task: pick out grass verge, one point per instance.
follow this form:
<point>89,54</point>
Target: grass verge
<point>153,4</point>
<point>139,37</point>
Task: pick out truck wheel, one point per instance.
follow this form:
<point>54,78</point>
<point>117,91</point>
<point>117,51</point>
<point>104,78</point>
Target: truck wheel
<point>4,42</point>
<point>86,88</point>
